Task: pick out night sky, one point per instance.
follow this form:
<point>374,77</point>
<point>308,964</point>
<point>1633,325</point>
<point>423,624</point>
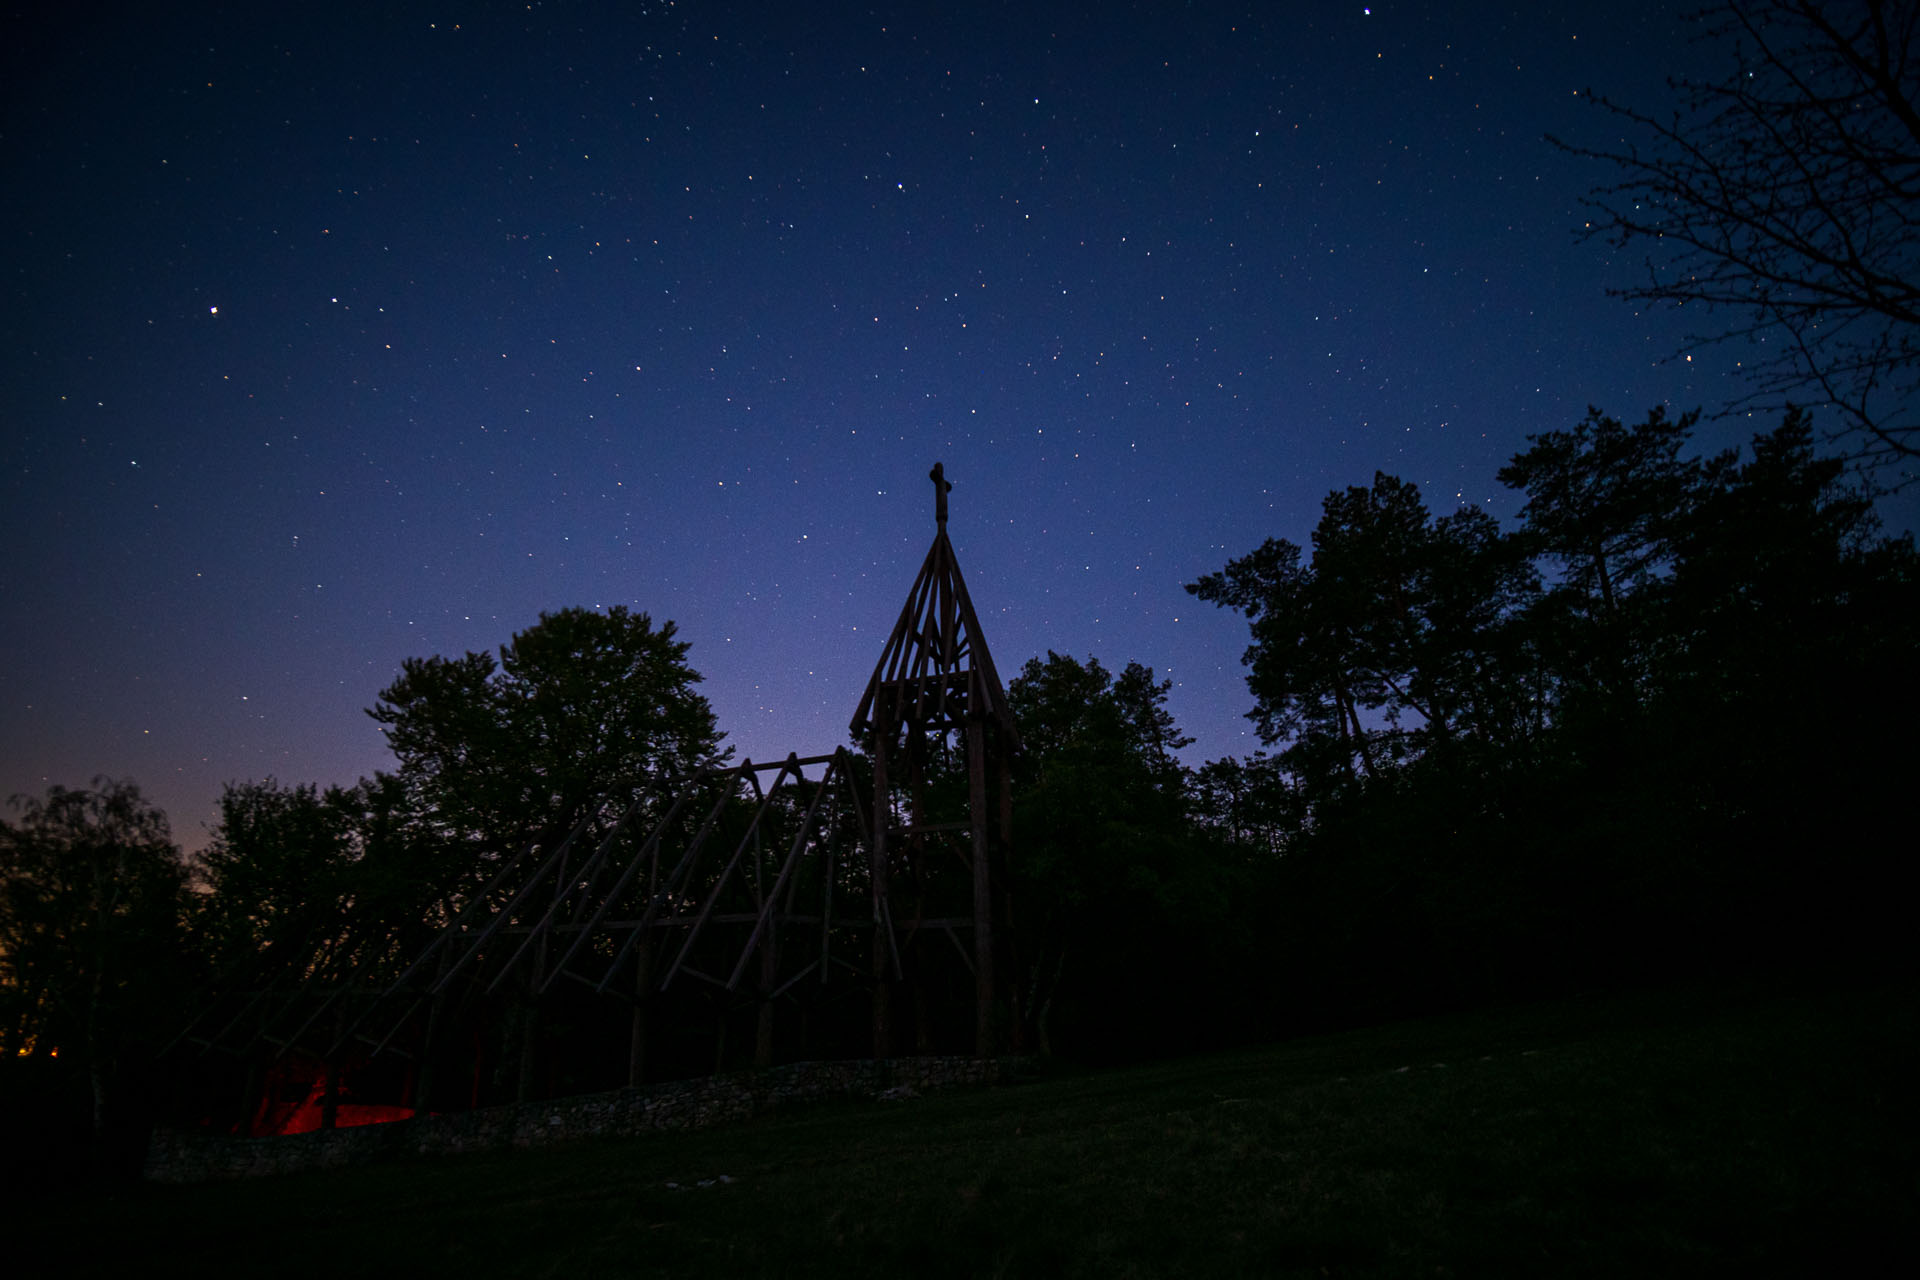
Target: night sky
<point>339,336</point>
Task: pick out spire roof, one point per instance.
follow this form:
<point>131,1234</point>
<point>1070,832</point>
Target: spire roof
<point>935,669</point>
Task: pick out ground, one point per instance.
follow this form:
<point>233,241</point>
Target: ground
<point>1684,1132</point>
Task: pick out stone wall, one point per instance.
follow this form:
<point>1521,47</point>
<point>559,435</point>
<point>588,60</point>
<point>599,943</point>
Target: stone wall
<point>177,1156</point>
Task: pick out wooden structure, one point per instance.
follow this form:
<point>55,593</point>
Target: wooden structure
<point>757,894</point>
<point>935,683</point>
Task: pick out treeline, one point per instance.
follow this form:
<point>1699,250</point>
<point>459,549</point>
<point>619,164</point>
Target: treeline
<point>1662,728</point>
<point>114,947</point>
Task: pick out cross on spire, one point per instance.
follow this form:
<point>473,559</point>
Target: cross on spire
<point>941,487</point>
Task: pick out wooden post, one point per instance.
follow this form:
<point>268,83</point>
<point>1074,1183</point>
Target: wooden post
<point>330,1098</point>
<point>915,981</point>
<point>530,1026</point>
<point>882,815</point>
<point>530,1041</point>
<point>1008,937</point>
<point>330,1095</point>
<point>529,1032</point>
<point>983,988</point>
<point>420,1097</point>
<point>479,1063</point>
<point>763,1032</point>
<point>253,1097</point>
<point>420,1078</point>
<point>643,1002</point>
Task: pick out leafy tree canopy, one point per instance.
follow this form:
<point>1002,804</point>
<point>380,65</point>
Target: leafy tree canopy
<point>1397,617</point>
<point>582,711</point>
<point>1605,501</point>
<point>90,899</point>
<point>284,873</point>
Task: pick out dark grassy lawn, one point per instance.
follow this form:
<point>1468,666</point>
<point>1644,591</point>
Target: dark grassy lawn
<point>1681,1134</point>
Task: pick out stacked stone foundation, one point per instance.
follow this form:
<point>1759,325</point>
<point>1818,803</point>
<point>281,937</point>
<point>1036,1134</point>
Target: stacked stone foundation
<point>176,1156</point>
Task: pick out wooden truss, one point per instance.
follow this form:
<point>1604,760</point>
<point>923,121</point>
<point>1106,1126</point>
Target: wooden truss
<point>757,885</point>
<point>739,882</point>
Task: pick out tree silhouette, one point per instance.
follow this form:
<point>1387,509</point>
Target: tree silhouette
<point>1695,737</point>
<point>1605,506</point>
<point>581,708</point>
<point>90,898</point>
<point>276,875</point>
<point>1118,903</point>
<point>1386,643</point>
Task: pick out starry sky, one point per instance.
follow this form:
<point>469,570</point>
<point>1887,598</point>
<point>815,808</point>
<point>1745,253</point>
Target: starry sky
<point>339,334</point>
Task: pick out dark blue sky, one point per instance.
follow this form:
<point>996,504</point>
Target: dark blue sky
<point>357,333</point>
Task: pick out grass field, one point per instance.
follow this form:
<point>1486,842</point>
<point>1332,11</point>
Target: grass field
<point>1686,1133</point>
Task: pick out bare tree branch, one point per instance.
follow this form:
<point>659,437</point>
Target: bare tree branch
<point>1789,192</point>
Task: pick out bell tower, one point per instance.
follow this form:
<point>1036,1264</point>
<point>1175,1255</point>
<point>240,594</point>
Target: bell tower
<point>935,702</point>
